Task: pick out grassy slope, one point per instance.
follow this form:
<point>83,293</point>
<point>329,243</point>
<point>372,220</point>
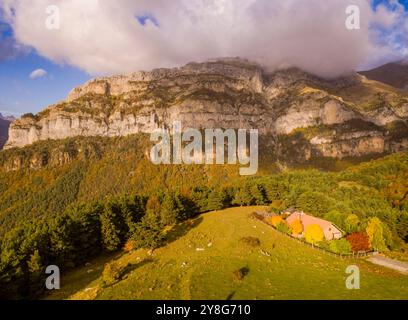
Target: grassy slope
<point>292,271</point>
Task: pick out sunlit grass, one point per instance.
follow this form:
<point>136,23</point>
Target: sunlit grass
<point>200,261</point>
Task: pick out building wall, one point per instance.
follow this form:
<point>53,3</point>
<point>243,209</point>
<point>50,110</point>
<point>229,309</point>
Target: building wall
<point>332,232</point>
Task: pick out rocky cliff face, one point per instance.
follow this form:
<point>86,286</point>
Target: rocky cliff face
<point>4,127</point>
<point>231,94</point>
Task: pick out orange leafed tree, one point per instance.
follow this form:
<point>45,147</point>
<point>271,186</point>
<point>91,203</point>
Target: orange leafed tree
<point>297,227</point>
<point>275,220</point>
<point>359,241</point>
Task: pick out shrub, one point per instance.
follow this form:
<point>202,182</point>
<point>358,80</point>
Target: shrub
<point>297,227</point>
<point>314,234</point>
<point>324,244</point>
<point>359,241</point>
<point>111,274</point>
<point>341,246</point>
<point>251,241</point>
<point>283,227</point>
<point>240,273</point>
<point>130,245</point>
<point>256,215</point>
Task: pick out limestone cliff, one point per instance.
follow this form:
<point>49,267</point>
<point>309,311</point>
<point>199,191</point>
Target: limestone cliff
<point>231,93</point>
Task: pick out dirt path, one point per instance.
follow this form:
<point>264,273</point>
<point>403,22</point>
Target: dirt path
<point>389,263</point>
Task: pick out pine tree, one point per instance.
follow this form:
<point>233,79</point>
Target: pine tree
<point>88,229</point>
<point>109,229</point>
<point>200,198</point>
<point>35,277</point>
<point>62,240</point>
<point>170,211</point>
<point>258,194</point>
<point>216,200</point>
<point>34,264</point>
<point>243,196</point>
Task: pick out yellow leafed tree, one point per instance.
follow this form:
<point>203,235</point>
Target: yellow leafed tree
<point>314,234</point>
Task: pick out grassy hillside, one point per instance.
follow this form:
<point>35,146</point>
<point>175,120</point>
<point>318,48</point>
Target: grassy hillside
<point>280,268</point>
<point>394,74</point>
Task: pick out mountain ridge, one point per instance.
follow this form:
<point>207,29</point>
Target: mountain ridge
<point>232,93</point>
<point>394,74</point>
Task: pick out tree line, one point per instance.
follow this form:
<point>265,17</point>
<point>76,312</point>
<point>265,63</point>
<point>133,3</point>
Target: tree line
<point>350,199</point>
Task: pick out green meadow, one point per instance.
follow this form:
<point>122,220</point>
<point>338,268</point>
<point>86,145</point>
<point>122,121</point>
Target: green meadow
<point>207,258</point>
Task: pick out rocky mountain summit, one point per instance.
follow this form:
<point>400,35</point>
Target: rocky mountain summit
<point>8,118</point>
<point>346,117</point>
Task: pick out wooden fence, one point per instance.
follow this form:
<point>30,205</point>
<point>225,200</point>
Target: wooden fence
<point>354,255</point>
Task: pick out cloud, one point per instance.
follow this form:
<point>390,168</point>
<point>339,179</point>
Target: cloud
<point>38,73</point>
<point>107,37</point>
<point>9,48</point>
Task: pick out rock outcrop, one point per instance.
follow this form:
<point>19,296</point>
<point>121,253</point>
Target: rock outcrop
<point>230,93</point>
<point>4,128</point>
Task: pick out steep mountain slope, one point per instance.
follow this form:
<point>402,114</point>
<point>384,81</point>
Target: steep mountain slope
<point>345,117</point>
<point>394,74</point>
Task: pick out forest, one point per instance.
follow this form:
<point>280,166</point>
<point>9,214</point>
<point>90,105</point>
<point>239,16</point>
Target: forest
<point>65,215</point>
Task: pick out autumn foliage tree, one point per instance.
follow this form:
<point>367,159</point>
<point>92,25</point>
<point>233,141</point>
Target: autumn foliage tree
<point>375,232</point>
<point>275,220</point>
<point>359,241</point>
<point>314,234</point>
<point>297,227</point>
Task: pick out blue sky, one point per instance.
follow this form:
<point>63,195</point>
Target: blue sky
<point>21,94</point>
<point>387,2</point>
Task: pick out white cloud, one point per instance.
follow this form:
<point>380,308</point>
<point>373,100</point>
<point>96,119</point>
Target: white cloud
<point>38,73</point>
<point>104,37</point>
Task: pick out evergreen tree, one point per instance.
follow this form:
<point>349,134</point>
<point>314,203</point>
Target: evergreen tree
<point>87,238</point>
<point>34,264</point>
<point>110,231</point>
<point>148,233</point>
<point>243,196</point>
<point>200,198</point>
<point>36,278</point>
<point>258,194</point>
<point>62,240</point>
<point>170,210</point>
<point>216,200</point>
